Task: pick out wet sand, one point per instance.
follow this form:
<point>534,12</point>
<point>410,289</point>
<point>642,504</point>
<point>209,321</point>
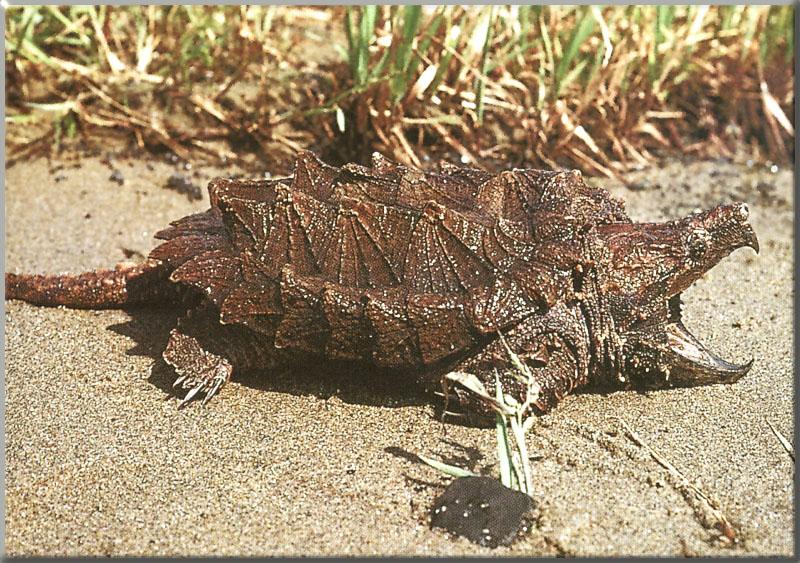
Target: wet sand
<point>100,462</point>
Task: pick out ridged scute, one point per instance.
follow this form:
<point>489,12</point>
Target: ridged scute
<point>385,263</point>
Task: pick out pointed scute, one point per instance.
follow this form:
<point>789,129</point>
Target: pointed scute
<point>384,261</point>
<point>245,206</point>
<point>365,227</point>
<point>214,272</point>
<point>312,176</point>
<point>451,231</point>
<point>207,223</point>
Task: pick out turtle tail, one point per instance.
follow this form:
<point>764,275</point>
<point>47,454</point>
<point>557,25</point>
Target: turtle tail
<point>128,285</point>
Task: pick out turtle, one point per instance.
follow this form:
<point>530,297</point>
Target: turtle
<point>450,271</point>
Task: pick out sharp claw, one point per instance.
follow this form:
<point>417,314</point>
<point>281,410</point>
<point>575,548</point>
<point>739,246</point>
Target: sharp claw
<point>208,384</point>
<point>190,395</point>
<point>217,384</point>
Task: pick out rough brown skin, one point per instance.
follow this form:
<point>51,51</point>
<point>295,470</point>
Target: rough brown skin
<point>418,272</point>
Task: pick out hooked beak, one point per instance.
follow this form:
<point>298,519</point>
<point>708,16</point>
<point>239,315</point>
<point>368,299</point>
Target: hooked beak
<point>671,256</point>
<point>725,228</point>
<point>750,239</point>
<point>746,234</point>
<point>690,363</point>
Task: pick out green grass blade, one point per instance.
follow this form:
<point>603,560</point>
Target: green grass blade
<point>503,448</point>
<point>451,41</point>
<point>526,16</point>
<point>56,13</point>
<point>411,19</point>
<point>425,42</point>
<point>360,43</point>
<point>366,32</point>
<point>430,32</point>
<point>574,73</point>
<point>377,70</point>
<point>451,34</point>
<point>27,23</point>
<point>23,118</point>
<point>451,470</point>
<point>726,16</point>
<point>484,64</point>
<point>30,51</point>
<point>526,478</point>
<point>548,46</point>
<point>664,16</point>
<point>348,31</point>
<point>663,35</point>
<point>581,33</point>
<point>503,452</point>
<point>515,359</point>
<point>777,28</point>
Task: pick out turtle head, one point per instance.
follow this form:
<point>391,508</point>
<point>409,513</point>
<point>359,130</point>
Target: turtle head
<point>651,264</point>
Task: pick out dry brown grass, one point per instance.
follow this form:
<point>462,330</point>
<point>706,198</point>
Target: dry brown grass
<point>594,88</point>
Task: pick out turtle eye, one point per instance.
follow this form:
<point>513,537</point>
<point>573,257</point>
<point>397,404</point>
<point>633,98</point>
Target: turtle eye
<point>697,241</point>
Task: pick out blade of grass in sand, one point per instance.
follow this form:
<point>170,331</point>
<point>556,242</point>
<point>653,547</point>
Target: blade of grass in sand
<point>446,468</point>
<point>503,448</point>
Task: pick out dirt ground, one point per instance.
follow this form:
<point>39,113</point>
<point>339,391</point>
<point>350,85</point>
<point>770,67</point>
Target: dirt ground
<point>100,462</point>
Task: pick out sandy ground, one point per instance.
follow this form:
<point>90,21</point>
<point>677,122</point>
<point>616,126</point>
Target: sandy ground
<point>100,462</point>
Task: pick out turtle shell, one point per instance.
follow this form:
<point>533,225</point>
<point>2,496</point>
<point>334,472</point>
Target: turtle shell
<point>387,264</point>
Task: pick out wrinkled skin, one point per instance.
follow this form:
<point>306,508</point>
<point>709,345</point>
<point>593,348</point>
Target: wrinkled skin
<point>420,272</point>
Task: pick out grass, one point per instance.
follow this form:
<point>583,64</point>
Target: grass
<point>596,88</point>
<point>513,419</point>
<point>782,439</point>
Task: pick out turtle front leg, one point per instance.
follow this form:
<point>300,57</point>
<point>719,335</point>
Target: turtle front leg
<point>555,347</point>
<point>205,353</point>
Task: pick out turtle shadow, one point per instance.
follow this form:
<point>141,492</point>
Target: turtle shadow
<point>306,374</point>
<point>352,383</point>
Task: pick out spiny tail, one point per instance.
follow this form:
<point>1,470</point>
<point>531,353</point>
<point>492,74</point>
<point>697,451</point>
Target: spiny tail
<point>125,286</point>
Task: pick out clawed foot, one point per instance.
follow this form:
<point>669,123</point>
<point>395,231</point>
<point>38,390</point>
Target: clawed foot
<point>198,370</point>
<point>209,384</point>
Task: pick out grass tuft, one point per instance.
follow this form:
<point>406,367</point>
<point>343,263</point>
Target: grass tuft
<point>513,419</point>
<point>591,87</point>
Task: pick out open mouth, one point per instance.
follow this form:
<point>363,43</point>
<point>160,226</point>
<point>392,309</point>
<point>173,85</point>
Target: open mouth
<point>689,361</point>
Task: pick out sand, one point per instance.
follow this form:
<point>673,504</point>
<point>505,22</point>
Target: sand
<point>100,462</point>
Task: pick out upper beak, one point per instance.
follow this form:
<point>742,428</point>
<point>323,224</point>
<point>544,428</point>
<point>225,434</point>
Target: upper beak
<point>739,213</point>
<point>750,238</point>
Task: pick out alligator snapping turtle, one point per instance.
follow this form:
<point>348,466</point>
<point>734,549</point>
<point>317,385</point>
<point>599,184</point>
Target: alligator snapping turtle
<point>420,272</point>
